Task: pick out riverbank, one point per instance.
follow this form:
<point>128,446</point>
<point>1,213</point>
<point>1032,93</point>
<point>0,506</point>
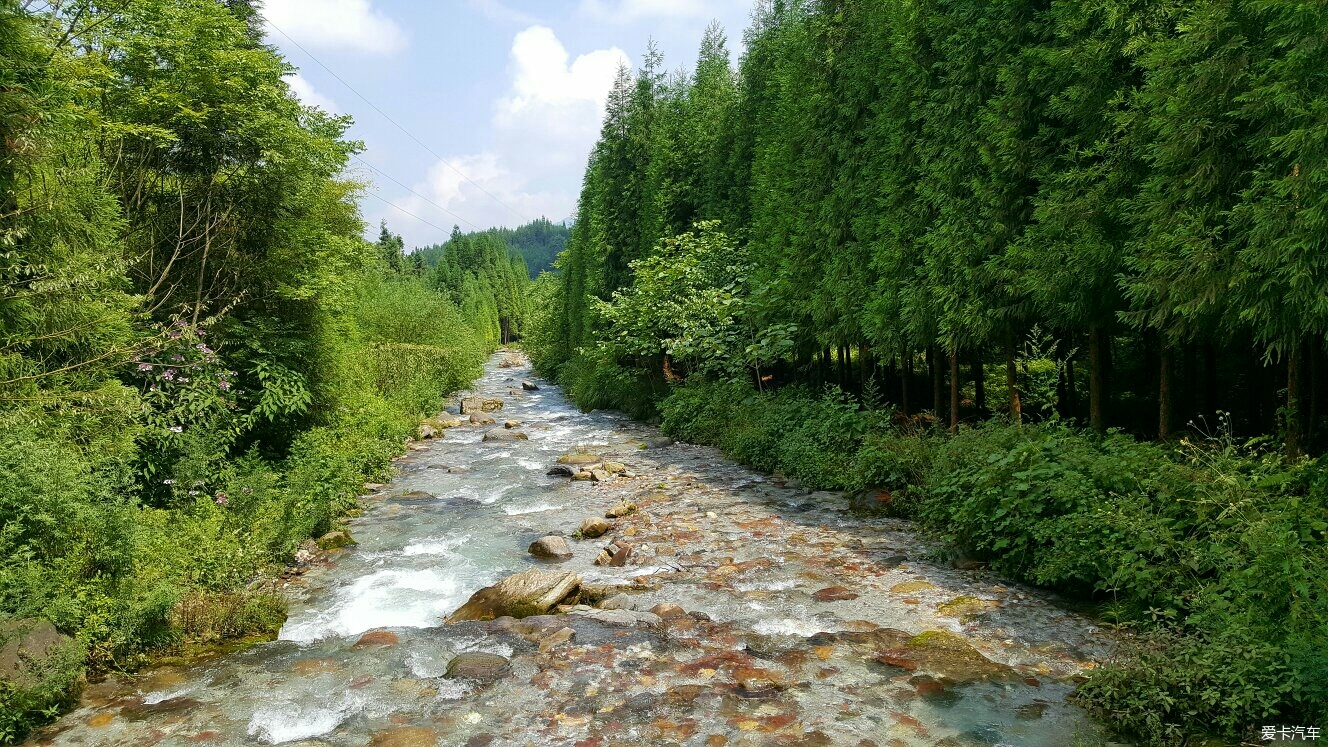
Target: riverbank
<point>800,622</point>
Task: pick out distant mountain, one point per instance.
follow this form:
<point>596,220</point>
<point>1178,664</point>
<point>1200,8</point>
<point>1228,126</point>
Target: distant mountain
<point>538,242</point>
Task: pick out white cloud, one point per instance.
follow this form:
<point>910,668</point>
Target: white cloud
<point>308,95</point>
<point>353,25</point>
<point>544,127</point>
<point>631,11</point>
<point>495,10</point>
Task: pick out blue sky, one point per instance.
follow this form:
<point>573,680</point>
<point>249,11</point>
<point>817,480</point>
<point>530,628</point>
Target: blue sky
<point>509,93</point>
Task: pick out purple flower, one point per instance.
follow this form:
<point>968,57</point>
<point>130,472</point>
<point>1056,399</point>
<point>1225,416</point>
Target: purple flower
<point>145,366</point>
<point>174,335</point>
<point>204,349</point>
<point>222,499</point>
<point>224,386</point>
<point>169,374</point>
<point>177,358</point>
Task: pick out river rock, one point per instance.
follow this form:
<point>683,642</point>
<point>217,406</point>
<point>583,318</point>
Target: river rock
<point>530,386</point>
<point>477,666</point>
<point>615,468</point>
<point>406,736</point>
<point>480,418</point>
<point>940,653</point>
<point>443,422</point>
<point>471,405</point>
<point>556,639</point>
<point>501,435</point>
<point>620,618</point>
<point>525,594</point>
<point>668,611</point>
<point>335,540</point>
<point>583,477</point>
<point>835,594</point>
<point>551,548</point>
<point>626,508</point>
<point>512,424</point>
<point>579,459</point>
<point>31,649</point>
<point>599,475</point>
<point>604,558</point>
<point>491,405</point>
<point>618,602</point>
<point>562,470</point>
<point>595,527</point>
<point>377,638</point>
<point>426,432</point>
<point>620,556</point>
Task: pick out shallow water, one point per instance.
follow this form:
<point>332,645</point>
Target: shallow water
<point>771,666</point>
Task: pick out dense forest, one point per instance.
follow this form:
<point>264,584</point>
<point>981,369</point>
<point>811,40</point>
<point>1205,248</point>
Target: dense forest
<point>1048,277</point>
<point>539,243</point>
<point>201,359</point>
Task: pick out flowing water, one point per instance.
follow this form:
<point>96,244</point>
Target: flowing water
<point>761,661</point>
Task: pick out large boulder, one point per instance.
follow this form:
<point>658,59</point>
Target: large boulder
<point>579,460</point>
<point>502,435</point>
<point>491,405</point>
<point>471,405</point>
<point>32,651</point>
<point>530,386</point>
<point>482,418</point>
<point>937,652</point>
<point>551,548</point>
<point>426,432</point>
<point>525,594</point>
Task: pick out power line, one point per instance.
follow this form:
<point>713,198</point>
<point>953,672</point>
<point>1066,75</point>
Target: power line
<point>417,194</point>
<point>385,115</point>
<point>391,204</point>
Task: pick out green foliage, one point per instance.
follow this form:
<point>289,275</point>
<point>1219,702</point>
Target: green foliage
<point>486,281</point>
<point>201,360</point>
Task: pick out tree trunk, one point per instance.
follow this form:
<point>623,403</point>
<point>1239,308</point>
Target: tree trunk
<point>1097,379</point>
<point>1071,390</point>
<point>1012,381</point>
<point>937,383</point>
<point>865,367</point>
<point>979,386</point>
<point>1295,440</point>
<point>954,392</point>
<point>1312,437</point>
<point>904,382</point>
<point>1166,360</point>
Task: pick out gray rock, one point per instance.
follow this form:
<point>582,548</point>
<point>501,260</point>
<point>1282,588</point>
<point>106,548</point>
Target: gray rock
<point>512,424</point>
<point>471,405</point>
<point>621,618</point>
<point>551,548</point>
<point>477,666</point>
<point>426,432</point>
<point>626,508</point>
<point>562,470</point>
<point>502,435</point>
<point>491,405</point>
<point>480,418</point>
<point>599,475</point>
<point>618,602</point>
<point>525,594</point>
<point>529,386</point>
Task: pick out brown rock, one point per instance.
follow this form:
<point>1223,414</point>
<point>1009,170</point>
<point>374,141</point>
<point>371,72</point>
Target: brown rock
<point>525,594</point>
<point>29,646</point>
<point>582,477</point>
<point>471,405</point>
<point>669,611</point>
<point>405,737</point>
<point>512,424</point>
<point>482,667</point>
<point>594,527</point>
<point>492,405</point>
<point>615,468</point>
<point>377,638</point>
<point>556,639</point>
<point>504,436</point>
<point>426,432</point>
<point>599,475</point>
<point>551,548</point>
<point>835,594</point>
<point>620,556</point>
<point>482,419</point>
<point>604,558</point>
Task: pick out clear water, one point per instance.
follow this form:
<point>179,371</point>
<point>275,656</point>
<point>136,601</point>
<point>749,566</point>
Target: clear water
<point>712,538</point>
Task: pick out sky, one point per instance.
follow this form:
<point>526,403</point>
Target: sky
<point>496,103</point>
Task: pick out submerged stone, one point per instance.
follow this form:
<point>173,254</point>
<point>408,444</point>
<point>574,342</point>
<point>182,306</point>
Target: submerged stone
<point>477,666</point>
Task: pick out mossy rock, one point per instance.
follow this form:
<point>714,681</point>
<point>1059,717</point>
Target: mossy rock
<point>335,540</point>
<point>912,587</point>
<point>966,607</point>
<point>579,459</point>
<point>945,655</point>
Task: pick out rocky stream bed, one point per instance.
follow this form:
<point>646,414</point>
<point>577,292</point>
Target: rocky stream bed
<point>717,608</point>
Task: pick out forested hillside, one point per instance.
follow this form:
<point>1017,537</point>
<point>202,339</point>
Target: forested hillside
<point>1048,277</point>
<point>539,243</point>
<point>201,360</point>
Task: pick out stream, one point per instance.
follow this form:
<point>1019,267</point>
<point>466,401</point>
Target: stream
<point>806,625</point>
